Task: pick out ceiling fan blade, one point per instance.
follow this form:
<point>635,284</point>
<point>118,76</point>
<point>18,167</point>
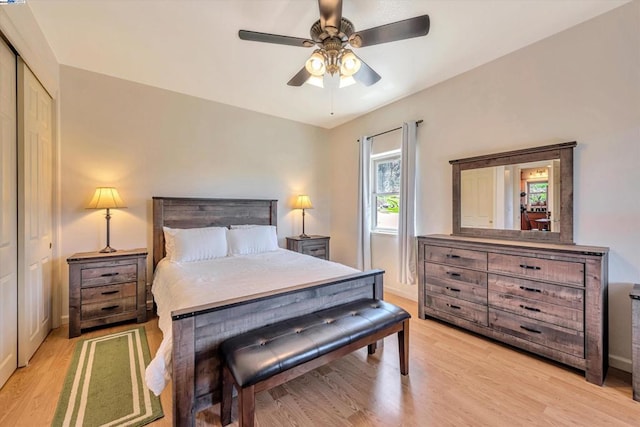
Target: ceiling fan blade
<point>274,38</point>
<point>300,78</point>
<point>366,75</point>
<point>330,16</point>
<point>409,28</point>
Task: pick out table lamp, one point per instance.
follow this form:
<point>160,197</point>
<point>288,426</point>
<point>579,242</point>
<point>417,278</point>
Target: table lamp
<point>303,202</point>
<point>106,198</point>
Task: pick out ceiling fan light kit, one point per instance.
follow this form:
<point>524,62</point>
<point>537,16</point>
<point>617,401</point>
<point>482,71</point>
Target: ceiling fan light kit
<point>333,35</point>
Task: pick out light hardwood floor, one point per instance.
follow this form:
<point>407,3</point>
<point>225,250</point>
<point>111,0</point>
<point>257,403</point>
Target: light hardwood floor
<point>455,379</point>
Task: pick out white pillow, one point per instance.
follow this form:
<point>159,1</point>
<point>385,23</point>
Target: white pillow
<point>244,226</point>
<point>195,244</point>
<point>252,240</point>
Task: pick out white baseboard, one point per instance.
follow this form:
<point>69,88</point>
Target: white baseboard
<point>621,363</point>
<point>64,319</point>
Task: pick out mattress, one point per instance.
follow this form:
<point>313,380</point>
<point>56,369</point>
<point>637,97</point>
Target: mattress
<point>182,285</point>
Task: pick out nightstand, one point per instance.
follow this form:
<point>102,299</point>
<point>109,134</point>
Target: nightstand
<point>317,246</point>
<point>105,288</point>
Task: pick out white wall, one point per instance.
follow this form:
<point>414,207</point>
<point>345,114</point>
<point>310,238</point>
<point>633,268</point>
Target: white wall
<point>582,84</point>
<point>151,142</point>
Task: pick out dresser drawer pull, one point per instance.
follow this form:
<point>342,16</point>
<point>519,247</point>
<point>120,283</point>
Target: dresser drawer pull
<point>530,267</point>
<point>457,307</point>
<point>530,330</point>
<point>524,288</point>
<point>109,292</point>
<point>530,308</point>
<point>452,289</point>
<point>111,307</point>
<point>453,274</point>
<point>109,274</point>
<point>453,256</point>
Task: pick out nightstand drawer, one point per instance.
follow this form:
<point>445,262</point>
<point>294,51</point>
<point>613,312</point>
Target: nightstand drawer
<point>316,250</point>
<point>108,308</point>
<point>107,275</point>
<point>106,293</point>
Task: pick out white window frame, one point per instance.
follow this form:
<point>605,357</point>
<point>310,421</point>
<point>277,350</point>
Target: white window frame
<point>375,159</point>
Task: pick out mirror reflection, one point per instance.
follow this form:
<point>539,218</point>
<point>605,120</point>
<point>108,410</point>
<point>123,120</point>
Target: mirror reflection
<point>523,197</point>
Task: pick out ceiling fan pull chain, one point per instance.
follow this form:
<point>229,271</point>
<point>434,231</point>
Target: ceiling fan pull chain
<point>332,100</point>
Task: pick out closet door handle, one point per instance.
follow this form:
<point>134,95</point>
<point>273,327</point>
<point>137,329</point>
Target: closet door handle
<point>530,330</point>
<point>524,288</point>
<point>530,267</point>
<point>537,310</point>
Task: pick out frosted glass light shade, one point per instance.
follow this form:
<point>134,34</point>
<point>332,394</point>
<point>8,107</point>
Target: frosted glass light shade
<point>303,202</point>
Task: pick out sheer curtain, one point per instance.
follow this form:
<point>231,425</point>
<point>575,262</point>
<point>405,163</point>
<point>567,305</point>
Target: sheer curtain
<point>407,223</point>
<point>364,205</point>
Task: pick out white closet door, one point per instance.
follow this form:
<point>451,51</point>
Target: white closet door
<point>8,216</point>
<point>34,213</point>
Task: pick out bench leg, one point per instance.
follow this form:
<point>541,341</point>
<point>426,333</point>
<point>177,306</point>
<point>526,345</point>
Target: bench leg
<point>371,348</point>
<point>227,396</point>
<point>246,406</point>
<point>403,347</point>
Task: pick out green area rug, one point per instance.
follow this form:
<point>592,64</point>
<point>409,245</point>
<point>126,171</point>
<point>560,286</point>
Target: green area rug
<point>105,383</point>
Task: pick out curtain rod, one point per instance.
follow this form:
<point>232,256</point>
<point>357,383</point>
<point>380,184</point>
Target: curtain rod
<point>391,130</point>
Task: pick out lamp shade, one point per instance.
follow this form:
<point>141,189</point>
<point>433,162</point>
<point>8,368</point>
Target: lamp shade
<point>303,202</point>
<point>106,198</point>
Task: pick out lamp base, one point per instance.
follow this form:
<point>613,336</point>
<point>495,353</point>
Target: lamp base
<point>107,250</point>
<point>304,236</point>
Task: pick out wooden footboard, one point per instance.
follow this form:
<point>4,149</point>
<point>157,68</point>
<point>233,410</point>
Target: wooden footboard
<point>198,331</point>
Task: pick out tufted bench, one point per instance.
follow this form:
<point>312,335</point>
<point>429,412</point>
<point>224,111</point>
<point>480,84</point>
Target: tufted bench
<point>272,355</point>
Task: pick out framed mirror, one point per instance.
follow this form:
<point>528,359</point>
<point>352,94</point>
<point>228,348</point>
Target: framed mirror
<point>517,195</point>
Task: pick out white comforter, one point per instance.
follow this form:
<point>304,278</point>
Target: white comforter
<point>182,285</point>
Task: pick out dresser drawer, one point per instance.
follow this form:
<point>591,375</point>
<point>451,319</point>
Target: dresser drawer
<point>316,250</point>
<point>538,310</point>
<point>555,337</point>
<point>457,257</point>
<point>105,293</point>
<point>476,313</point>
<point>537,268</point>
<point>109,274</point>
<point>468,285</point>
<point>109,308</point>
<point>564,296</point>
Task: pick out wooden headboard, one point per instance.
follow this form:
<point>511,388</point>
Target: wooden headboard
<point>179,212</point>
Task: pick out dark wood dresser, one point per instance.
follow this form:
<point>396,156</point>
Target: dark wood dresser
<point>105,288</point>
<point>549,299</point>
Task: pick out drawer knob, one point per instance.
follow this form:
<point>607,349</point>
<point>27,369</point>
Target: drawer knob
<point>530,329</point>
<point>109,292</point>
<point>452,274</point>
<point>530,308</point>
<point>453,306</point>
<point>452,289</point>
<point>524,288</point>
<point>111,307</point>
<point>530,267</point>
<point>109,274</point>
<point>453,256</point>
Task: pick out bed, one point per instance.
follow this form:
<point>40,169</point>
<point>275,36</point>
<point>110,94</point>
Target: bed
<point>198,330</point>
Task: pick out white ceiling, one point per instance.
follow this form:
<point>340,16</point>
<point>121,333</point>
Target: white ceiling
<point>192,46</point>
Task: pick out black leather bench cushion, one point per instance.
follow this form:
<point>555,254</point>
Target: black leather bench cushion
<point>259,354</point>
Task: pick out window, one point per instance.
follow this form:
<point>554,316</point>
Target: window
<point>537,193</point>
<point>385,191</point>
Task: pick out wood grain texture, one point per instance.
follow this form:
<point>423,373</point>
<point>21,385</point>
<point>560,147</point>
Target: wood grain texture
<point>546,298</point>
<point>456,378</point>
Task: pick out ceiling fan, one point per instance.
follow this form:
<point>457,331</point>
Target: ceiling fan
<point>333,35</point>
